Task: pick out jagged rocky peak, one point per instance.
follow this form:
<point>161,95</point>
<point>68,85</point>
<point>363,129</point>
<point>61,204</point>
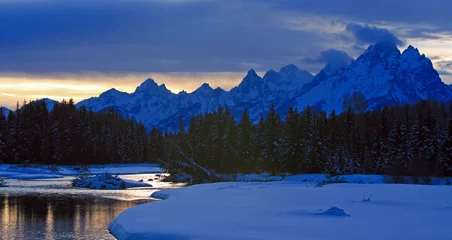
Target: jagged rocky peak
<point>411,51</point>
<point>380,50</point>
<point>218,90</point>
<point>293,71</point>
<point>163,86</point>
<point>249,84</point>
<point>271,74</point>
<point>110,92</point>
<point>150,88</point>
<point>250,78</point>
<point>288,69</point>
<point>148,85</point>
<point>251,74</point>
<point>387,48</point>
<point>412,54</point>
<point>205,88</point>
<point>331,68</point>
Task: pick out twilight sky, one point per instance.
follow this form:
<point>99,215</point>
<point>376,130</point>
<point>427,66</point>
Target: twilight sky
<point>79,48</point>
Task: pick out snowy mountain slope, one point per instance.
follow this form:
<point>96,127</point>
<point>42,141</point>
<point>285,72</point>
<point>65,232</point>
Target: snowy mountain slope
<point>381,75</point>
<point>49,103</point>
<point>5,111</point>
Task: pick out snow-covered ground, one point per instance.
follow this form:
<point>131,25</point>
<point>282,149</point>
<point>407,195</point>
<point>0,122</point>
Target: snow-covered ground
<point>10,171</point>
<point>326,179</point>
<point>291,209</point>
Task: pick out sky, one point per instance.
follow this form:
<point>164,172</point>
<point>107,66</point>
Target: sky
<point>80,48</point>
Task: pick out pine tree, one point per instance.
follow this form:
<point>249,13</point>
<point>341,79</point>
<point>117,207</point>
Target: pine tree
<point>246,145</point>
<point>292,137</point>
<point>181,126</point>
<point>3,138</point>
<point>230,138</point>
<point>261,150</point>
<point>445,163</point>
<point>399,152</point>
<point>273,127</point>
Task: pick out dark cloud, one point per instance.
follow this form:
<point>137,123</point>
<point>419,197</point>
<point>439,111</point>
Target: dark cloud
<point>143,36</point>
<point>329,56</point>
<point>420,34</point>
<point>48,36</point>
<point>414,13</point>
<point>369,34</point>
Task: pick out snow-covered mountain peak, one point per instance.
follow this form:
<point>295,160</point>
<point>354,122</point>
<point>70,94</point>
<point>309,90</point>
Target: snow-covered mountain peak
<point>412,57</point>
<point>379,52</point>
<point>271,74</point>
<point>412,51</point>
<point>5,111</point>
<point>150,88</point>
<point>204,89</point>
<point>297,75</point>
<point>251,73</point>
<point>163,86</point>
<point>289,69</point>
<point>331,68</point>
<point>111,92</point>
<point>251,79</point>
<point>289,78</point>
<point>148,85</point>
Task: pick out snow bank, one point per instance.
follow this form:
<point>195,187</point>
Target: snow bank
<point>32,176</point>
<point>291,210</point>
<point>45,172</point>
<point>106,181</point>
<point>327,179</point>
<point>136,184</point>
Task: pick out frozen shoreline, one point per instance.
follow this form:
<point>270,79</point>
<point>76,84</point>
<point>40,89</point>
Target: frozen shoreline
<point>291,210</point>
<point>10,171</point>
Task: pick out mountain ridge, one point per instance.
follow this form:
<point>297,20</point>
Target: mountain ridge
<point>382,75</point>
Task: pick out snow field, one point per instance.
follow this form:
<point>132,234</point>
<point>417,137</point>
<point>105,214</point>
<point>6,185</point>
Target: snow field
<point>291,210</point>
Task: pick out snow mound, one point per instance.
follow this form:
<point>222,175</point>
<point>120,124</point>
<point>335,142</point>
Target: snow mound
<point>330,212</point>
<point>106,181</point>
<point>333,212</point>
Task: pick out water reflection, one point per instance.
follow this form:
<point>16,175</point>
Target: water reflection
<point>47,217</point>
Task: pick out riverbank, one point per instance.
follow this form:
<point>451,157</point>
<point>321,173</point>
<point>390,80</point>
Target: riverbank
<point>291,209</point>
<point>12,171</point>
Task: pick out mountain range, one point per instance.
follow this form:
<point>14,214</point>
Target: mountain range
<point>382,75</point>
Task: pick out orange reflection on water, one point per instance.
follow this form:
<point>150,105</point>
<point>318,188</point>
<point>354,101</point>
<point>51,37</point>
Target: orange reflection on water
<point>34,217</point>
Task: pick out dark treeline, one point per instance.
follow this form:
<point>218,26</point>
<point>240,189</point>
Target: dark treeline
<point>67,135</point>
<point>397,141</point>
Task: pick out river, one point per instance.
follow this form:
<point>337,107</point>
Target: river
<point>52,209</point>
